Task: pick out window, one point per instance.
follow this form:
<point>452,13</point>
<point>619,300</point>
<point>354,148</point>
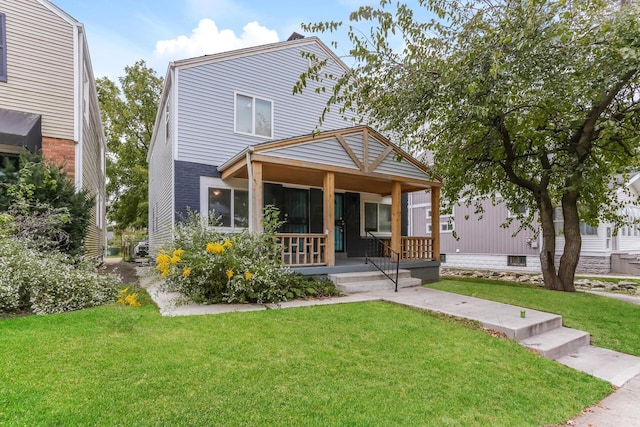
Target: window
<point>446,227</point>
<point>377,217</point>
<point>522,210</point>
<point>516,261</point>
<point>443,258</point>
<point>254,116</point>
<point>3,49</point>
<point>228,207</point>
<point>587,230</point>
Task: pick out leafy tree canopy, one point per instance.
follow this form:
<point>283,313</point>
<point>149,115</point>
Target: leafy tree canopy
<point>128,114</point>
<point>536,101</point>
<point>43,204</point>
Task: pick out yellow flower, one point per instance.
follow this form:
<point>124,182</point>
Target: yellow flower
<point>248,276</point>
<point>178,252</point>
<point>186,272</point>
<point>162,258</point>
<point>175,260</point>
<point>227,243</point>
<point>229,274</point>
<point>132,300</point>
<point>215,248</point>
<point>165,273</point>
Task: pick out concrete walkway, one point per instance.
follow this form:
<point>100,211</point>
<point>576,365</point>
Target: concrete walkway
<point>621,408</point>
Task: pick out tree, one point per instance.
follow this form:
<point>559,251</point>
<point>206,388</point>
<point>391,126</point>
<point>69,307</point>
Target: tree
<point>128,115</point>
<point>44,206</point>
<point>537,101</point>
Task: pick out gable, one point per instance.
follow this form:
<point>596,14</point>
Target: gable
<point>360,149</point>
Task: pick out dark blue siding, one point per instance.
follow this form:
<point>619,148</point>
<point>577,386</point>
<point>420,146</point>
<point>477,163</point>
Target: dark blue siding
<point>187,186</point>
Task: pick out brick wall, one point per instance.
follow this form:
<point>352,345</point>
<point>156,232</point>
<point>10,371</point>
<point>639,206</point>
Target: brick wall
<point>60,152</point>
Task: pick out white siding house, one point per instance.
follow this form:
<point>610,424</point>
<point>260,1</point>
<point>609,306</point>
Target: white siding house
<point>47,89</point>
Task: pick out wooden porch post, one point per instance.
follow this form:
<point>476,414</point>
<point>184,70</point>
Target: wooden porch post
<point>257,196</point>
<point>435,221</point>
<point>396,217</point>
<point>329,217</point>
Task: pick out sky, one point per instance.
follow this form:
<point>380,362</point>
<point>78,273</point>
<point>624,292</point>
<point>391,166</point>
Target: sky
<point>121,32</point>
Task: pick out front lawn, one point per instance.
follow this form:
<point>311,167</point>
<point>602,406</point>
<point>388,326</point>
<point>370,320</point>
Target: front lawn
<point>348,364</point>
<point>613,324</point>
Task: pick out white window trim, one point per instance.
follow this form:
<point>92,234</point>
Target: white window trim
<point>446,224</point>
<point>253,118</point>
<point>372,198</point>
<point>207,182</point>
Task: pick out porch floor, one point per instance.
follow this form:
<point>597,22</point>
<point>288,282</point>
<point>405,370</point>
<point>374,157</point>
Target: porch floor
<point>346,264</point>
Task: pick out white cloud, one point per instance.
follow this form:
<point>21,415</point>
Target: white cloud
<point>206,39</point>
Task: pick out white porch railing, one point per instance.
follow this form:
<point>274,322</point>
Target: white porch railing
<point>301,250</point>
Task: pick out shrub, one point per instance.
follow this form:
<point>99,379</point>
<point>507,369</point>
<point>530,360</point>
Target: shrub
<point>48,282</point>
<point>45,205</point>
<point>209,266</point>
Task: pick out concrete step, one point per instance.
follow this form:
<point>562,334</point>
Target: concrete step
<point>557,342</point>
<point>617,368</point>
<point>377,285</point>
<point>535,323</point>
<point>362,276</point>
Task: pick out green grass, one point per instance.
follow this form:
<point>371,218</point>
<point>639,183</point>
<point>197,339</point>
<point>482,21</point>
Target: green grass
<point>613,324</point>
<point>340,365</point>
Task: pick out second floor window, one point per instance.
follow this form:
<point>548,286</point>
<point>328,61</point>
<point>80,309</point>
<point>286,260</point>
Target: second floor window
<point>254,116</point>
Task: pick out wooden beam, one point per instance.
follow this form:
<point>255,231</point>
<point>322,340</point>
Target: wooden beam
<point>435,221</point>
<point>396,216</point>
<point>256,198</point>
<point>328,188</point>
<point>234,170</point>
<point>380,158</point>
<point>350,152</point>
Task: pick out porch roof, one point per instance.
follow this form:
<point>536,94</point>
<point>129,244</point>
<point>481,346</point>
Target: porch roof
<point>362,160</point>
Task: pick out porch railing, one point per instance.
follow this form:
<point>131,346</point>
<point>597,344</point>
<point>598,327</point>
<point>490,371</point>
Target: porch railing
<point>414,247</point>
<point>383,258</point>
<point>303,250</point>
<point>417,248</point>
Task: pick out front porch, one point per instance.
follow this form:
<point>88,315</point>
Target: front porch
<point>335,191</point>
<point>312,250</point>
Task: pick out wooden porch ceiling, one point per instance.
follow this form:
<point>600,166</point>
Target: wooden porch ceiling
<point>295,172</point>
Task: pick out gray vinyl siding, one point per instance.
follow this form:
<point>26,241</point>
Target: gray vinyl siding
<point>391,166</point>
<point>318,152</point>
<point>93,173</point>
<point>486,235</point>
<point>206,102</point>
<point>161,187</point>
<point>40,66</point>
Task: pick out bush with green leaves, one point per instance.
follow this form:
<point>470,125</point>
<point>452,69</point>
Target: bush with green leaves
<point>45,205</point>
<point>209,266</point>
<point>44,282</point>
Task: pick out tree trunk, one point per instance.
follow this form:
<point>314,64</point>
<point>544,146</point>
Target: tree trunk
<point>572,241</point>
<point>548,252</point>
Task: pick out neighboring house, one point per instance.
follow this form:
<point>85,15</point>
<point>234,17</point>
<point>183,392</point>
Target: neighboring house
<point>48,99</point>
<point>230,137</point>
<point>485,244</point>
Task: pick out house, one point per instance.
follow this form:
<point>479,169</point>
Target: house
<point>486,244</point>
<point>230,137</point>
<point>48,99</point>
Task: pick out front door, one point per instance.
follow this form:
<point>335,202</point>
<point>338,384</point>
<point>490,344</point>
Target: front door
<point>339,222</point>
